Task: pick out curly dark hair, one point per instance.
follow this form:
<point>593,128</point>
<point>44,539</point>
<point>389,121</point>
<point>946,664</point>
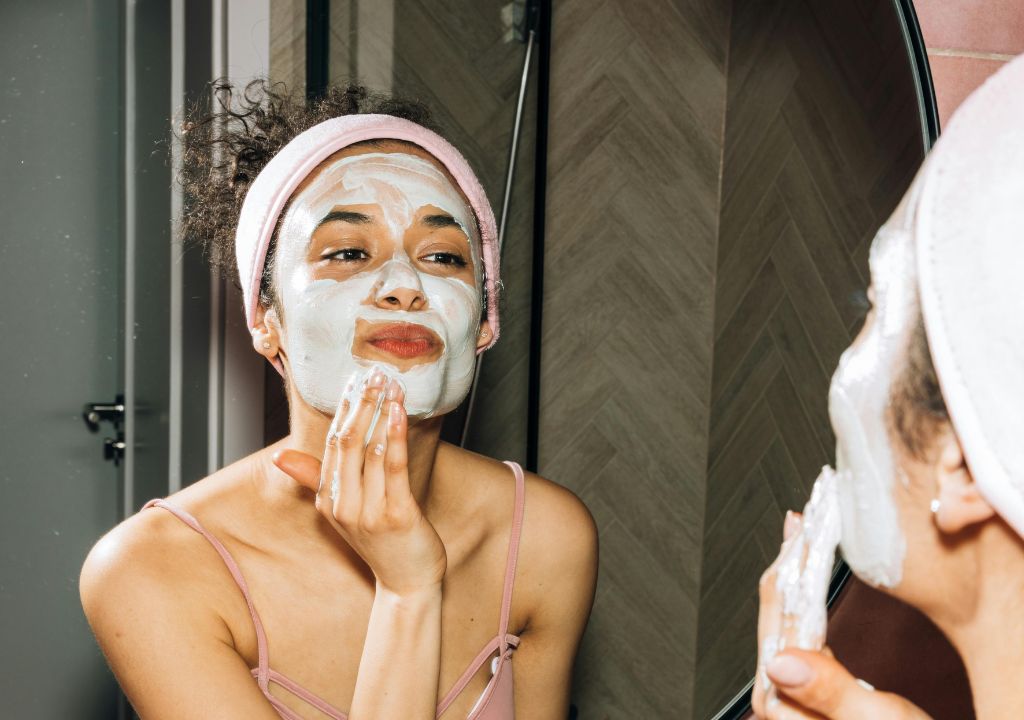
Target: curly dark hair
<point>223,151</point>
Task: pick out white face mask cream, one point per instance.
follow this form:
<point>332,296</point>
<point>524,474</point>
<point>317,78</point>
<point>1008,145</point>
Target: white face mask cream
<point>872,541</point>
<point>431,340</point>
<point>803,570</point>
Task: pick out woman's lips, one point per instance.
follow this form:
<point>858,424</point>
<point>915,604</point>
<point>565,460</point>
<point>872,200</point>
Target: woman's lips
<point>404,340</point>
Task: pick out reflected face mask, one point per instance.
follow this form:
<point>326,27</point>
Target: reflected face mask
<point>872,541</point>
<point>330,324</point>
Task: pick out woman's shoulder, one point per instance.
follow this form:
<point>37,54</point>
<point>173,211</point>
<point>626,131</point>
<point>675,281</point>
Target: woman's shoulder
<point>551,506</point>
<point>559,533</point>
<point>556,572</point>
<point>558,536</point>
<point>154,548</point>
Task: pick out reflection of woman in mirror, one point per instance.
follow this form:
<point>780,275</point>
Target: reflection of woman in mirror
<point>928,409</point>
<point>358,563</point>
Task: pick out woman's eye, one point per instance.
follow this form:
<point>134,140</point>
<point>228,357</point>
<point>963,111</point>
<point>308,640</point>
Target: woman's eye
<point>346,255</point>
<point>443,258</point>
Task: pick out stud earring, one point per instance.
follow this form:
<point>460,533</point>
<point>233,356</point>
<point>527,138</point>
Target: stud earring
<point>935,505</point>
<point>483,333</point>
<point>266,345</point>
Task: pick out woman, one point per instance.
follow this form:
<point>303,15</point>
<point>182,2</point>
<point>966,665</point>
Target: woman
<point>928,409</point>
<point>358,563</point>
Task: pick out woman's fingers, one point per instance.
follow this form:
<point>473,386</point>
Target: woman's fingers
<point>791,525</point>
<point>302,468</point>
<point>373,459</point>
<point>328,488</point>
<point>348,471</point>
<point>396,467</point>
<point>770,626</point>
<point>818,683</point>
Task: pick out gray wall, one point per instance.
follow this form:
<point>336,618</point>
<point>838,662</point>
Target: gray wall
<point>637,102</point>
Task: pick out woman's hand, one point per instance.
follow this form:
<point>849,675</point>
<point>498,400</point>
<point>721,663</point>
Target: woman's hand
<point>807,684</point>
<point>362,487</point>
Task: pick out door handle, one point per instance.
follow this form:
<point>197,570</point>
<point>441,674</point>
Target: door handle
<point>113,449</point>
<point>113,412</point>
<point>95,413</point>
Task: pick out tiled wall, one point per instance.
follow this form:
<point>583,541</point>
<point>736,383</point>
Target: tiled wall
<point>967,42</point>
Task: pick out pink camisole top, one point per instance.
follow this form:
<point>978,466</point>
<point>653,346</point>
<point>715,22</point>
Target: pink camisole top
<point>495,703</point>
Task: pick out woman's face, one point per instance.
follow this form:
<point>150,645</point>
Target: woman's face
<point>873,540</point>
<point>378,263</point>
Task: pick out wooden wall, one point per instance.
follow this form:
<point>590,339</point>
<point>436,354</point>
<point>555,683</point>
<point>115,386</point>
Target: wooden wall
<point>821,139</point>
<point>635,130</point>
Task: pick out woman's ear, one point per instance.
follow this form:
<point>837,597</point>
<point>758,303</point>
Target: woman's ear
<point>483,337</point>
<point>960,504</point>
<point>266,335</point>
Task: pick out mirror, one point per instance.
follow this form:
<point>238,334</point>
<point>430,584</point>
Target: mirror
<point>714,177</point>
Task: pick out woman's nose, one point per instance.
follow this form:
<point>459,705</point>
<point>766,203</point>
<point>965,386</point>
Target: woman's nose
<point>402,299</point>
<point>399,288</point>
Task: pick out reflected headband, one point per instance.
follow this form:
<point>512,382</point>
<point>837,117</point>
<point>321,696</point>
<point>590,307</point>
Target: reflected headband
<point>970,250</point>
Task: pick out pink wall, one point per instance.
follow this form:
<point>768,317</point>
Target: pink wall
<point>968,40</point>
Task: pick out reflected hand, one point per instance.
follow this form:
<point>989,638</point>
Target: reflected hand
<point>809,684</point>
<point>362,488</point>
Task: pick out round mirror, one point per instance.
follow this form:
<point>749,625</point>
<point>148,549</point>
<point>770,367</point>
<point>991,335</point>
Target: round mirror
<point>698,184</point>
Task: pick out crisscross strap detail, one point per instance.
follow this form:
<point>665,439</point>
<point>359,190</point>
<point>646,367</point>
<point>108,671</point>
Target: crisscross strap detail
<point>510,642</point>
<point>300,692</point>
<point>263,669</point>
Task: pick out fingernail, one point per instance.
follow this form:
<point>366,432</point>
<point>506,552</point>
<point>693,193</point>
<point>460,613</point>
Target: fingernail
<point>392,389</point>
<point>377,378</point>
<point>394,413</point>
<point>791,525</point>
<point>789,671</point>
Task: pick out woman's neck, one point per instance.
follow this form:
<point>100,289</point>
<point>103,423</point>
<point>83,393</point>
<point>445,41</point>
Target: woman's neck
<point>991,640</point>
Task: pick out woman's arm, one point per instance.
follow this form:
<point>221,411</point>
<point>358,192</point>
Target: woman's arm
<point>172,654</point>
<point>556,580</point>
<point>401,659</point>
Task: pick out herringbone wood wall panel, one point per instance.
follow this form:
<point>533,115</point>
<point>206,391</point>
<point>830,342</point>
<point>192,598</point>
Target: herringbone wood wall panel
<point>637,100</point>
<point>821,138</point>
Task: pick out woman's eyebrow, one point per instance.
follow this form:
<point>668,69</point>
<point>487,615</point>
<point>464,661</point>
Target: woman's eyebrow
<point>440,221</point>
<point>356,218</point>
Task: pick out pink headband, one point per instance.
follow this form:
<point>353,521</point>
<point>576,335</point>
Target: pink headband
<point>277,181</point>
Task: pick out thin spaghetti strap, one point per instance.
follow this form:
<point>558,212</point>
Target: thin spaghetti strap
<point>513,552</point>
<point>263,670</point>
